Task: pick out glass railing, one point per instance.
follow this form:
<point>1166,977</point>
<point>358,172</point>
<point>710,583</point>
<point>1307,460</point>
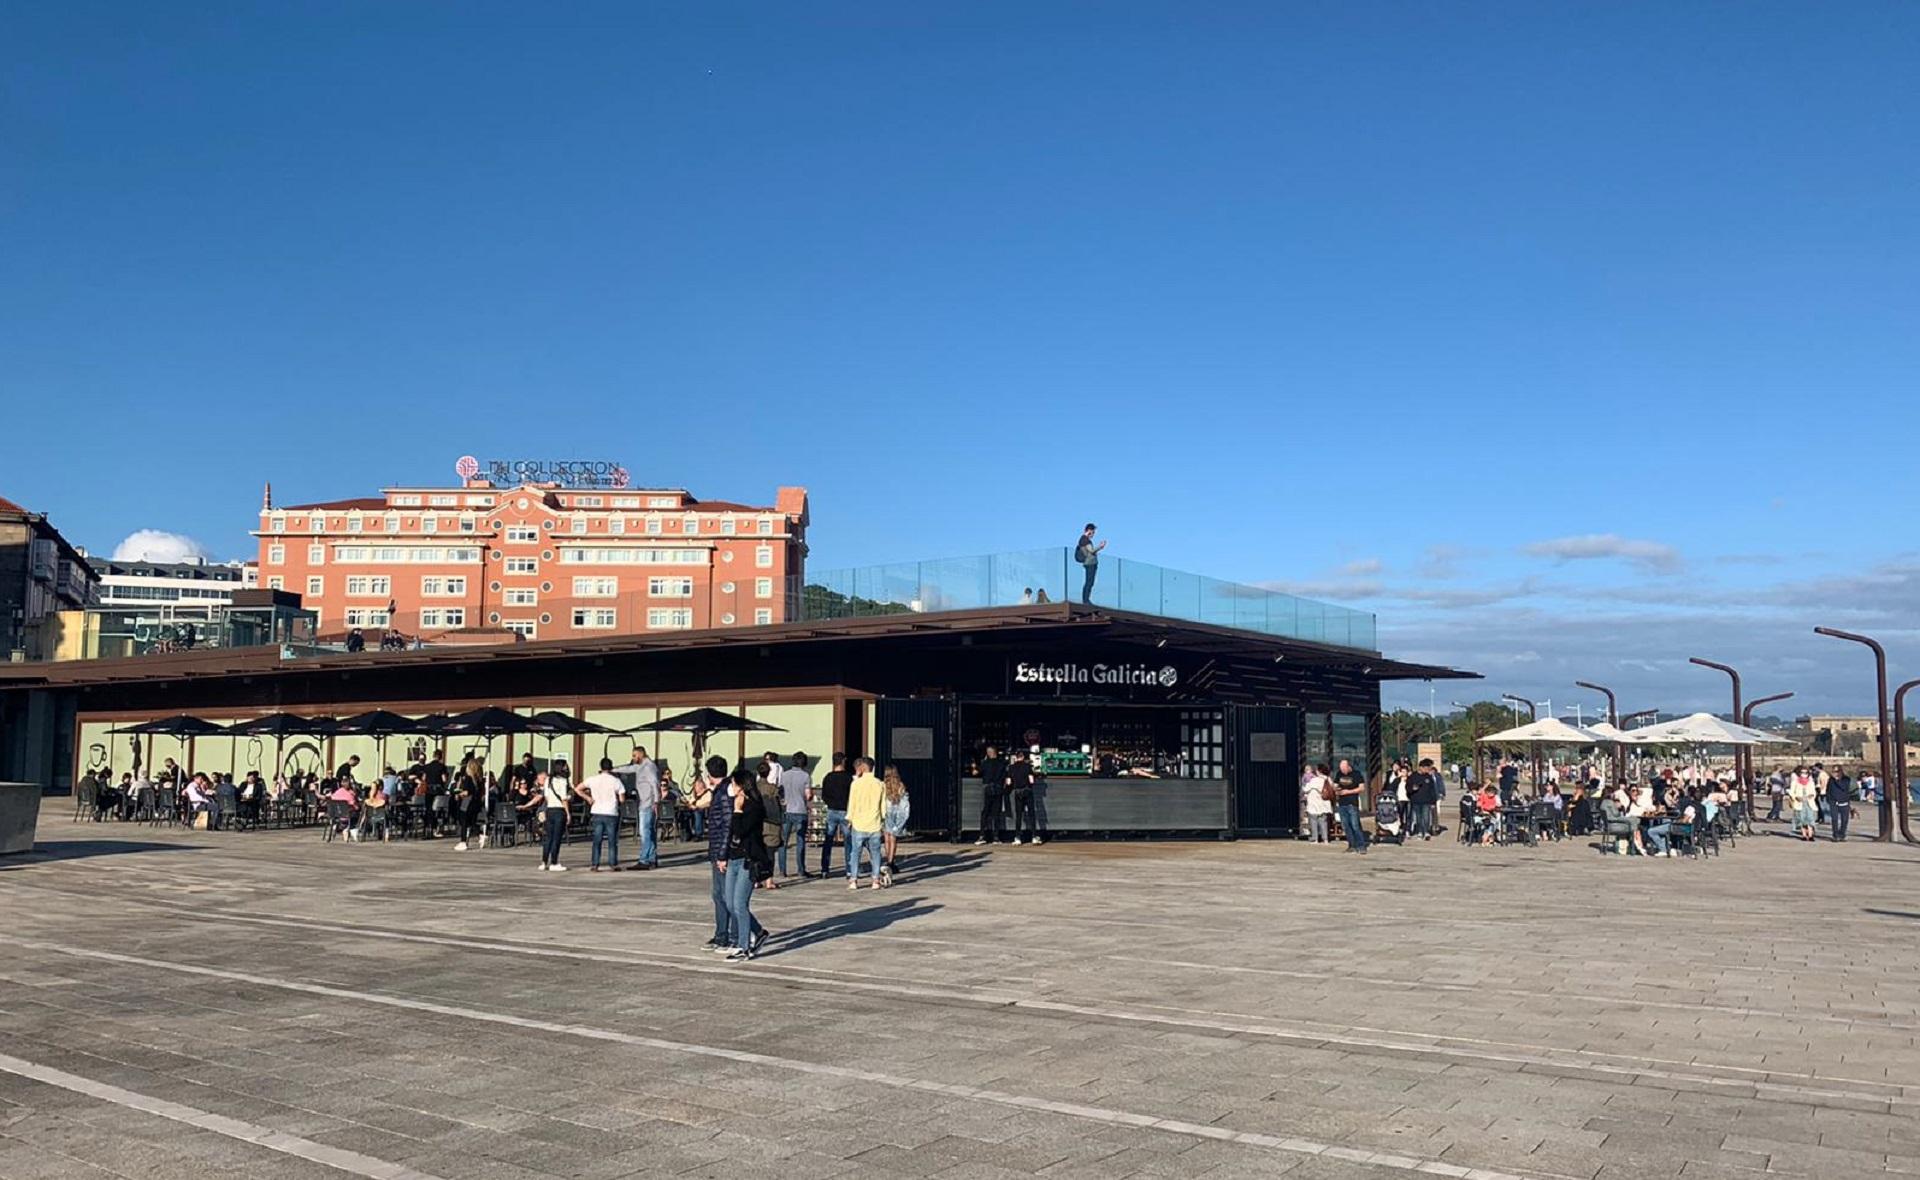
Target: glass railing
<point>1051,575</point>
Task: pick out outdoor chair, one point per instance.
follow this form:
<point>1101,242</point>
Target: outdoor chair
<point>339,816</point>
<point>166,807</point>
<point>1617,829</point>
<point>1546,820</point>
<point>503,825</point>
<point>86,799</point>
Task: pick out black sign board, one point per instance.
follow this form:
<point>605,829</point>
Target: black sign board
<point>912,742</point>
<point>1267,747</point>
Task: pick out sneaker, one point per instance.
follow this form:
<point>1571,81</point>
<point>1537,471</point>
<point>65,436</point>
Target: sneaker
<point>483,841</point>
<point>713,944</point>
<point>736,955</point>
<point>982,840</point>
<point>723,948</point>
<point>558,868</point>
<point>1038,840</point>
<point>543,868</point>
<point>616,868</point>
<point>1018,840</point>
<point>593,868</point>
<point>460,847</point>
<point>759,940</point>
<point>853,883</point>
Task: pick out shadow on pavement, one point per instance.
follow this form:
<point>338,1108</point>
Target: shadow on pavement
<point>1911,917</point>
<point>864,921</point>
<point>46,851</point>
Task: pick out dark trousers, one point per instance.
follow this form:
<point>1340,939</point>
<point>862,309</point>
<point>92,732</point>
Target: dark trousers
<point>1841,816</point>
<point>1023,815</point>
<point>993,816</point>
<point>1086,589</point>
<point>556,834</point>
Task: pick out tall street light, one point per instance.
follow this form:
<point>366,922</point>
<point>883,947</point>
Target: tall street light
<point>1740,767</point>
<point>1617,755</point>
<point>1533,714</point>
<point>1902,800</point>
<point>1886,766</point>
<point>1746,718</point>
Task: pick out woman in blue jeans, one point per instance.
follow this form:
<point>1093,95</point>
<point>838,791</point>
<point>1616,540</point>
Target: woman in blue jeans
<point>748,863</point>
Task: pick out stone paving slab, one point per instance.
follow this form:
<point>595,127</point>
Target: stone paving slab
<point>1110,1010</point>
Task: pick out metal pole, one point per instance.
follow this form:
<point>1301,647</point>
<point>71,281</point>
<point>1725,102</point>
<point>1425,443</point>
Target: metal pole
<point>1533,714</point>
<point>1740,768</point>
<point>1886,766</point>
<point>1902,801</point>
<point>1746,718</point>
<point>1617,755</point>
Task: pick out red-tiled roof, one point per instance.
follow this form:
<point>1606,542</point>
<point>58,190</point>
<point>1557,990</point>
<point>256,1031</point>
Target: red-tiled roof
<point>364,503</point>
<point>7,505</point>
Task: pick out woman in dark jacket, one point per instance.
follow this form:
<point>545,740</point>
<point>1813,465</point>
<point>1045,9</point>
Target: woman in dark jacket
<point>748,863</point>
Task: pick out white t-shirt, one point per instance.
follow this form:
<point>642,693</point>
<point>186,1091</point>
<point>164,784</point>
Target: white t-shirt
<point>605,792</point>
<point>556,790</point>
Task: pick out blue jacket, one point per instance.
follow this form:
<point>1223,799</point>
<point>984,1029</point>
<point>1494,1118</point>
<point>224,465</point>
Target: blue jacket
<point>719,822</point>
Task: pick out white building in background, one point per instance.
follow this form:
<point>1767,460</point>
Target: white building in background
<point>186,583</point>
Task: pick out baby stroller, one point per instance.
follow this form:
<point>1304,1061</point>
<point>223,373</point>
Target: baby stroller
<point>1387,824</point>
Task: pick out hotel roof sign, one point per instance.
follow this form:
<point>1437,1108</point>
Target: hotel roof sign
<point>568,473</point>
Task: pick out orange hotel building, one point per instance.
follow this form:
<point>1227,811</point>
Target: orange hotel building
<point>540,560</point>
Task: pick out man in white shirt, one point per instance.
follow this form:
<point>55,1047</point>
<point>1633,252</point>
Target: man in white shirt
<point>642,777</point>
<point>602,793</point>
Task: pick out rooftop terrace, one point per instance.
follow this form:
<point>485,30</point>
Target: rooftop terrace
<point>1008,579</point>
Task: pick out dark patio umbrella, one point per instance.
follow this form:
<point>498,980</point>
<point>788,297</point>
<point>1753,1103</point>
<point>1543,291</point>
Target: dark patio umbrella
<point>487,721</point>
<point>178,726</point>
<point>377,723</point>
<point>279,726</point>
<point>701,723</point>
<point>553,723</point>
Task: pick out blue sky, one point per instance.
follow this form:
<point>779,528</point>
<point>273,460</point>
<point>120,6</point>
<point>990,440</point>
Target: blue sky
<point>1575,339</point>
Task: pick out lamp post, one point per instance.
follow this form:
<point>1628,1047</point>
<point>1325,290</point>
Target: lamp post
<point>1901,800</point>
<point>1617,755</point>
<point>1626,723</point>
<point>1746,718</point>
<point>1739,761</point>
<point>1533,714</point>
<point>1886,766</point>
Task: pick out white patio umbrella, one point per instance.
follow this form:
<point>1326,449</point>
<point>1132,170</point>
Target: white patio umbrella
<point>1548,731</point>
<point>1702,729</point>
<point>1607,730</point>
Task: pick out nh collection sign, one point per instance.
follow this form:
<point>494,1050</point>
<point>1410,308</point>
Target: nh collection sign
<point>1097,675</point>
<point>568,473</point>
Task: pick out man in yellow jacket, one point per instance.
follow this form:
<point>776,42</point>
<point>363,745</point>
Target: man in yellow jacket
<point>866,812</point>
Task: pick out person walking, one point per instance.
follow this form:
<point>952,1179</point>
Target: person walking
<point>554,789</point>
<point>766,785</point>
<point>1423,794</point>
<point>796,799</point>
<point>1776,795</point>
<point>866,821</point>
<point>1349,791</point>
<point>1839,803</point>
<point>469,794</point>
<point>1315,796</point>
<point>747,863</point>
<point>834,787</point>
<point>642,780</point>
<point>1020,793</point>
<point>1800,793</point>
<point>716,788</point>
<point>1087,553</point>
<point>993,798</point>
<point>602,793</point>
<point>894,820</point>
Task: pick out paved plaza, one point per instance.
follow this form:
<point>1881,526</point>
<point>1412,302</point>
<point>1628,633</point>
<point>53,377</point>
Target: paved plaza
<point>265,1005</point>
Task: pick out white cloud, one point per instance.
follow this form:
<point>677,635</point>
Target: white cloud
<point>1364,568</point>
<point>158,545</point>
<point>1650,555</point>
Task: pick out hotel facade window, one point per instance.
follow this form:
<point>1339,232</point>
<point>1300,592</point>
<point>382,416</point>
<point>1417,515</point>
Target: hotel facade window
<point>598,618</point>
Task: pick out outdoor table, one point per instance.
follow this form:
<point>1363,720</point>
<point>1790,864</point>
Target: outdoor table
<point>1519,821</point>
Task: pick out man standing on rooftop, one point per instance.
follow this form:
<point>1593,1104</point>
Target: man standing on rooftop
<point>1087,552</point>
